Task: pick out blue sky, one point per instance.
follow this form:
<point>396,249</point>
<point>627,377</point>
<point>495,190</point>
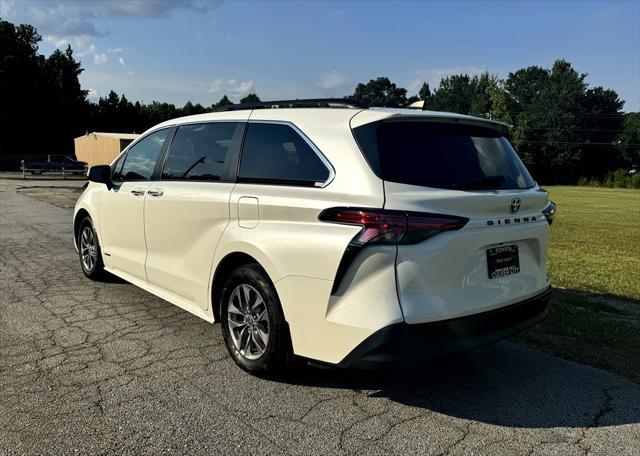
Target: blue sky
<point>199,50</point>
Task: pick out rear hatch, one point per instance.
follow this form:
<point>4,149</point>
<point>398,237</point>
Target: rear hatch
<point>461,167</point>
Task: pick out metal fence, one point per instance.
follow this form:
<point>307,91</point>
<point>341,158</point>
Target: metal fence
<point>40,171</point>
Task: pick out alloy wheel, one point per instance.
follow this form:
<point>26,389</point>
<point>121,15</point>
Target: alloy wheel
<point>248,321</point>
<point>88,248</point>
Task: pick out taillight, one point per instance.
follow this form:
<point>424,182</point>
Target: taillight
<point>381,226</point>
<point>550,211</point>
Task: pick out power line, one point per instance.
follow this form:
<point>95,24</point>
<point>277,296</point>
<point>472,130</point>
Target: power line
<point>575,129</point>
<point>581,143</point>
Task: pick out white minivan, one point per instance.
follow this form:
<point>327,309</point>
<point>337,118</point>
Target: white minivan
<point>327,231</point>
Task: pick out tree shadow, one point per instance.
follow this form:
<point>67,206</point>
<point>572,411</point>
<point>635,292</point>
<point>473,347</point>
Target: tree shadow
<point>605,302</point>
<point>505,384</point>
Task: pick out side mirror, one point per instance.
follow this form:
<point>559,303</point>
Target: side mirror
<point>101,174</point>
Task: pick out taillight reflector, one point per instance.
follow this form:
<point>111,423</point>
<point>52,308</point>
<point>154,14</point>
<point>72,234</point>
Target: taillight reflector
<point>381,226</point>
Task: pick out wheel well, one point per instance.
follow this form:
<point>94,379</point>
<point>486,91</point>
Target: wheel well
<point>76,222</point>
<point>224,269</point>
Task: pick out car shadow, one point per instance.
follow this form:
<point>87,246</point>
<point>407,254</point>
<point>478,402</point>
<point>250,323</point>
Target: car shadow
<point>506,384</point>
<point>107,277</point>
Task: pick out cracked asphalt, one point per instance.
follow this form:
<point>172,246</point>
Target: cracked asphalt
<point>101,368</point>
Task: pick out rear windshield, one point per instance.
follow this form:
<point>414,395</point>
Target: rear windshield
<point>442,156</point>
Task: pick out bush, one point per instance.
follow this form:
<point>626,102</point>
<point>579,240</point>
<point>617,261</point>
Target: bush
<point>619,178</point>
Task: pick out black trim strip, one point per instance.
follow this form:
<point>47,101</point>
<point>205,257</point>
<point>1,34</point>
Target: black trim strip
<point>403,343</point>
<point>285,182</point>
<point>349,255</point>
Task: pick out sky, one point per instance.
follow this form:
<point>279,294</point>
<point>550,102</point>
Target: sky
<point>199,50</point>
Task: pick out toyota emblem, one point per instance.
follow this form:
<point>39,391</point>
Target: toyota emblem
<point>514,205</point>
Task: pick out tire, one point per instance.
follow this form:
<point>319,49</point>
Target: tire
<point>89,250</point>
<point>244,331</point>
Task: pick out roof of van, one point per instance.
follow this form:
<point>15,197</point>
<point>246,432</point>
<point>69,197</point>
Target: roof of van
<point>355,116</point>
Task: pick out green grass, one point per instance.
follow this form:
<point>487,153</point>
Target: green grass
<point>595,240</point>
<point>594,262</point>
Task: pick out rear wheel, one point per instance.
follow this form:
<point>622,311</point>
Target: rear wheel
<point>253,324</point>
<point>89,250</point>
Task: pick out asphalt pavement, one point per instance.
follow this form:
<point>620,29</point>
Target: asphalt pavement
<point>106,368</point>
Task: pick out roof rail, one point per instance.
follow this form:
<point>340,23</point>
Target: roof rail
<point>299,103</point>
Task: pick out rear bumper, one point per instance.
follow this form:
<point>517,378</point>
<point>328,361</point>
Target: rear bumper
<point>407,344</point>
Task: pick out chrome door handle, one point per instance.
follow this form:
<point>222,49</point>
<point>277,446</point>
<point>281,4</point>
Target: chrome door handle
<point>137,192</point>
<point>156,192</point>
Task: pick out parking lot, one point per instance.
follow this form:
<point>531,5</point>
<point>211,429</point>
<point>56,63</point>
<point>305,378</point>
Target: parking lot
<point>90,367</point>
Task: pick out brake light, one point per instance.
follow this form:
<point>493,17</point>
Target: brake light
<point>550,211</point>
<point>381,226</point>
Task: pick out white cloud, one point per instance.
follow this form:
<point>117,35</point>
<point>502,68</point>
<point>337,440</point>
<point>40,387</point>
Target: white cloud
<point>115,51</point>
<point>93,94</point>
<point>432,76</point>
<point>100,59</point>
<point>331,80</point>
<point>74,21</point>
<point>223,36</point>
<point>242,88</point>
<point>231,87</point>
<point>122,62</point>
<point>74,17</point>
<point>81,45</point>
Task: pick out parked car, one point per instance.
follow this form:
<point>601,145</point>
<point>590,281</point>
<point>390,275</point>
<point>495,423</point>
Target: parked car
<point>342,235</point>
<point>55,162</point>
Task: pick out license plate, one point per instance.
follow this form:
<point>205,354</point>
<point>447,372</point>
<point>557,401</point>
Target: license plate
<point>503,261</point>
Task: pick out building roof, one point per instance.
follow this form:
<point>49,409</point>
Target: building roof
<point>113,135</point>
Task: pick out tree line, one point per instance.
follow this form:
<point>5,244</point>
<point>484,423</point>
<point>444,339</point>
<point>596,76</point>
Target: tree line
<point>563,129</point>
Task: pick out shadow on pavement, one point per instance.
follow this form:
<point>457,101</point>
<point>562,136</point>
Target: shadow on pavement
<point>505,384</point>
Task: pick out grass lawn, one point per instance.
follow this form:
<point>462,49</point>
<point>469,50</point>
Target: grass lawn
<point>594,262</point>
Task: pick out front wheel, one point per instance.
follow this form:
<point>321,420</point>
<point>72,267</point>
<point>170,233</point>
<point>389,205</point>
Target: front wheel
<point>89,250</point>
<point>253,324</point>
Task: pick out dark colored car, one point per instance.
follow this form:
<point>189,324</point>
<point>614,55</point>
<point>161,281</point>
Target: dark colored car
<point>56,163</point>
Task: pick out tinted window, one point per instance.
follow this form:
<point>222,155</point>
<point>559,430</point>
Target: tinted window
<point>201,151</point>
<point>116,169</point>
<point>442,156</point>
<point>277,153</point>
<point>141,158</point>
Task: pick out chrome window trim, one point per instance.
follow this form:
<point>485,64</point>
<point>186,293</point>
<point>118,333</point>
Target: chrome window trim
<point>314,148</point>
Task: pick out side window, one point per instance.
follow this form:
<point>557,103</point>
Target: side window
<point>201,151</point>
<point>141,158</point>
<point>116,169</point>
<point>276,153</point>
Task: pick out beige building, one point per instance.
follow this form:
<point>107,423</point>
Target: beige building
<point>101,148</point>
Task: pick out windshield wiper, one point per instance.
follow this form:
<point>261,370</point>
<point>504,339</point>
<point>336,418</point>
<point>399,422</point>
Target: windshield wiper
<point>487,182</point>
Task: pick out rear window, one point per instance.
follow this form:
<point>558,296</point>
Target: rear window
<point>442,156</point>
